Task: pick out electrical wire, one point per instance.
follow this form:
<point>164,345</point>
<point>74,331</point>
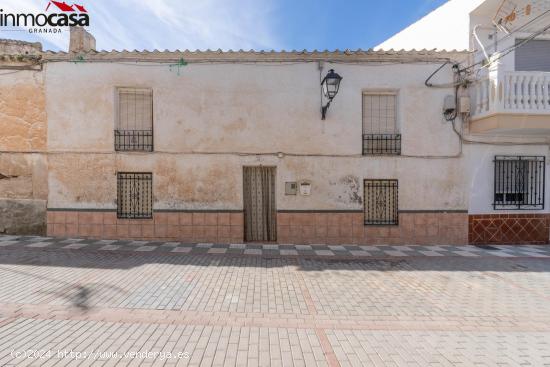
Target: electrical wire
<point>507,35</point>
<point>510,49</point>
<point>476,53</point>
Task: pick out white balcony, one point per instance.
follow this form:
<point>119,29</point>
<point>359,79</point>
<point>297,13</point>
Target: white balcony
<point>511,102</point>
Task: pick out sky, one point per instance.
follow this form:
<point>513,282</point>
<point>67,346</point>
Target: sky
<point>233,24</point>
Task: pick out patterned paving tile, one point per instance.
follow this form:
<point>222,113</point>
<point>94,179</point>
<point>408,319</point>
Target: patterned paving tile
<point>369,248</point>
<point>270,249</point>
<point>465,253</point>
<point>396,253</point>
<point>288,252</point>
<point>182,249</point>
<point>75,246</point>
<point>138,243</point>
<point>533,254</point>
<point>337,248</point>
<point>503,254</point>
<point>39,244</point>
<point>8,238</point>
<point>238,245</point>
<point>104,242</point>
<point>253,251</point>
<point>431,253</point>
<point>359,253</point>
<point>146,248</point>
<point>204,245</point>
<point>71,240</point>
<point>403,248</point>
<point>324,253</point>
<point>109,247</point>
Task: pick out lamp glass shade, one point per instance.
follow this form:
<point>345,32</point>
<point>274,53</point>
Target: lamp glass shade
<point>331,84</point>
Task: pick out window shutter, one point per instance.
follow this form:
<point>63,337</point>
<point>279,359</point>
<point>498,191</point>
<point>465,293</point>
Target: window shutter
<point>135,110</point>
<point>533,55</point>
<point>379,114</point>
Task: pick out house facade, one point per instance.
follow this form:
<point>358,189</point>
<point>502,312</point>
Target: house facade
<point>417,147</point>
<point>23,145</point>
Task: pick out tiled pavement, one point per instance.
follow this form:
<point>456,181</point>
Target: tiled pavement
<point>397,306</point>
<point>329,251</point>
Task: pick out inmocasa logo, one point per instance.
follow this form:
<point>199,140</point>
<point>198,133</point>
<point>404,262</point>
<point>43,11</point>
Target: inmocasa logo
<point>56,14</point>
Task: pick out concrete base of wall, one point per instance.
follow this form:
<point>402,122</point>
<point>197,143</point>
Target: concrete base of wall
<point>509,228</point>
<point>22,216</point>
<point>293,227</point>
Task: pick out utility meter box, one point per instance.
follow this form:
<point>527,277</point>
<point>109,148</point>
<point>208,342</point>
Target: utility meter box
<point>291,188</point>
<point>305,188</point>
<point>464,104</point>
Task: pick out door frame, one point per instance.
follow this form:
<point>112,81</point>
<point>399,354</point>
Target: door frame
<point>274,214</point>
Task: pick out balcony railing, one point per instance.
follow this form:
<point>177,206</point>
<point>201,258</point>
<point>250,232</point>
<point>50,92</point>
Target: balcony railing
<point>134,140</point>
<point>381,144</point>
<point>522,92</point>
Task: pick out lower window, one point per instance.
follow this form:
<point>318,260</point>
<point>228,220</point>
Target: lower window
<point>134,195</point>
<point>381,202</point>
<point>519,182</point>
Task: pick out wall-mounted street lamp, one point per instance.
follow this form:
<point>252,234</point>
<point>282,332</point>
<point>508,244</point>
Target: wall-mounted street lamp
<point>330,86</point>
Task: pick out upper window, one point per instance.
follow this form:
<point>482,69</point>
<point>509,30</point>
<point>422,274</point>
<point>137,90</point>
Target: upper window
<point>533,55</point>
<point>134,123</point>
<point>519,183</point>
<point>380,132</point>
<point>381,202</point>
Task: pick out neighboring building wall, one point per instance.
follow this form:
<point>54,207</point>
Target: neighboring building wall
<point>210,120</point>
<point>23,167</point>
<point>445,28</point>
<point>487,225</point>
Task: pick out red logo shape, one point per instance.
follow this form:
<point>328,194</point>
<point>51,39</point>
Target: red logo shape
<point>81,8</point>
<point>63,6</point>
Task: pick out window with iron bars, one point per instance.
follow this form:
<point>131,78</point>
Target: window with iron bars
<point>134,195</point>
<point>380,132</point>
<point>381,202</point>
<point>134,123</point>
<point>519,182</point>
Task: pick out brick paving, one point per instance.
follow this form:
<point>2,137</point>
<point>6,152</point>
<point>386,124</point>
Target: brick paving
<point>133,305</point>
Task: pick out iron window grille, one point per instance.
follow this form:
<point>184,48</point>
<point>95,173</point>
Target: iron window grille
<point>134,195</point>
<point>134,124</point>
<point>519,182</point>
<point>381,144</point>
<point>380,133</point>
<point>381,202</point>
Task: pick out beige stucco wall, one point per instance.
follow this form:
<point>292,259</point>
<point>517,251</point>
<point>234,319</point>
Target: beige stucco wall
<point>215,182</point>
<point>229,109</point>
<point>243,108</point>
<point>22,112</point>
<point>23,163</point>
